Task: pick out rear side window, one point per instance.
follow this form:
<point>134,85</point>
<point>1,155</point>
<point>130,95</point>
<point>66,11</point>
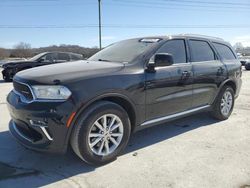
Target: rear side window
<point>75,57</point>
<point>63,57</point>
<point>176,48</point>
<point>224,51</point>
<point>49,57</point>
<point>201,51</point>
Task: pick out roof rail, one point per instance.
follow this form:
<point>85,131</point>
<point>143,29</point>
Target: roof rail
<point>203,36</point>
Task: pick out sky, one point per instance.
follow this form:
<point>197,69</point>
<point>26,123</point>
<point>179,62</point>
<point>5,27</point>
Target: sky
<point>53,22</point>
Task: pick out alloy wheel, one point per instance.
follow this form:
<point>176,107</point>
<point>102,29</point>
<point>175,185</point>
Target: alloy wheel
<point>226,103</point>
<point>105,134</point>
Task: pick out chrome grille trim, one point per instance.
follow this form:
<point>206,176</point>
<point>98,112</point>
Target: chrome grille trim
<point>24,98</point>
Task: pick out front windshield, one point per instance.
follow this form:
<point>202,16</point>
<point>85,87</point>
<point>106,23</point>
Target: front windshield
<point>36,57</point>
<point>124,51</point>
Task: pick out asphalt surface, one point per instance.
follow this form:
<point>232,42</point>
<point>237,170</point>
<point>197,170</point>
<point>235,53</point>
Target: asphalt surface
<point>197,151</point>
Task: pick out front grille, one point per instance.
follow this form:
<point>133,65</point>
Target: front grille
<point>23,90</point>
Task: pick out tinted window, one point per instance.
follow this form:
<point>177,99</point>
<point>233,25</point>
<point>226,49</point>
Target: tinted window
<point>224,51</point>
<point>201,51</point>
<point>63,56</point>
<point>124,51</point>
<point>76,57</point>
<point>49,57</point>
<point>176,48</point>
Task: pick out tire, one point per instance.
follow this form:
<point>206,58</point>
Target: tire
<point>85,128</point>
<point>219,112</point>
<point>7,78</point>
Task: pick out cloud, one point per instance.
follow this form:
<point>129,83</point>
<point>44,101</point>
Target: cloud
<point>244,40</point>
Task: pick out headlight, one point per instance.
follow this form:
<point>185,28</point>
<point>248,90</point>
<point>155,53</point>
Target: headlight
<point>51,92</point>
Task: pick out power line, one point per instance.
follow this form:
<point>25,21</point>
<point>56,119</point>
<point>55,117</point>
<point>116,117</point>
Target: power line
<point>209,2</point>
<point>194,3</point>
<point>175,7</point>
<point>49,5</point>
<point>128,26</point>
<point>168,3</point>
<point>179,4</point>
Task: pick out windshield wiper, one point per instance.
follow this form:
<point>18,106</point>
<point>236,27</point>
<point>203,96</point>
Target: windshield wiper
<point>103,60</point>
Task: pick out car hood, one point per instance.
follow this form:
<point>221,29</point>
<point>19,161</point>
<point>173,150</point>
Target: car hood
<point>67,72</point>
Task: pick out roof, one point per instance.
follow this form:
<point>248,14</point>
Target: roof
<point>197,36</point>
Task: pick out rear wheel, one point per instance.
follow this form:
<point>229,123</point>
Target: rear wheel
<point>101,133</point>
<point>224,104</point>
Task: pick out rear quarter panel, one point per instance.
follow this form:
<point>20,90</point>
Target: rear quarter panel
<point>234,73</point>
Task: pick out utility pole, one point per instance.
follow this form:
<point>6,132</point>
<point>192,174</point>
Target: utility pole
<point>100,25</point>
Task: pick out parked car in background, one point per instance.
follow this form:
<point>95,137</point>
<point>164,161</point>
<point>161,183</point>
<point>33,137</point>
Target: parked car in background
<point>11,60</point>
<point>2,62</point>
<point>46,58</point>
<point>95,105</point>
<point>243,62</point>
<point>246,61</point>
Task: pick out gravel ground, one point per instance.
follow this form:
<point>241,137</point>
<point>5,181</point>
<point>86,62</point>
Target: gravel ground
<point>192,152</point>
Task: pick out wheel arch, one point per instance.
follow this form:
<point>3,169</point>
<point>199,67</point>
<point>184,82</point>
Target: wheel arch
<point>232,84</point>
<point>117,98</point>
<point>227,82</point>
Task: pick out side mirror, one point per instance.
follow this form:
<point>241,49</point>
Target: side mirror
<point>163,60</point>
<point>160,60</point>
<point>41,60</point>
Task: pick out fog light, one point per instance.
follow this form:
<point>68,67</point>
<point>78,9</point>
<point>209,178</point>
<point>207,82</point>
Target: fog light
<point>38,123</point>
<point>42,125</point>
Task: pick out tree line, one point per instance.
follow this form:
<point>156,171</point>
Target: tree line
<point>24,50</point>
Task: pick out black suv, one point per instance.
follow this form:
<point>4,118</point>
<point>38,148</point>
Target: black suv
<point>95,105</point>
<point>46,58</point>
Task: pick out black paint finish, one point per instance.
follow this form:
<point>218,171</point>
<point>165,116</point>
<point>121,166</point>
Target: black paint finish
<point>144,94</point>
<point>11,68</point>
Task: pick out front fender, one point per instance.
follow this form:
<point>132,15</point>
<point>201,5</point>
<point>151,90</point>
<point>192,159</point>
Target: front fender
<point>84,107</point>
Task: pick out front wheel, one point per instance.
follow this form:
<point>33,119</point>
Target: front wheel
<point>224,104</point>
<point>101,133</point>
<point>7,78</point>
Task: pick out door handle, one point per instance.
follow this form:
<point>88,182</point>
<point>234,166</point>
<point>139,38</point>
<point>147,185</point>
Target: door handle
<point>220,71</point>
<point>186,74</point>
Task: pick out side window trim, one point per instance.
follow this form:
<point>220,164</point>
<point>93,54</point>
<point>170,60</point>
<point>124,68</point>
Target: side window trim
<point>60,54</point>
<point>225,46</point>
<point>216,57</point>
<point>185,47</point>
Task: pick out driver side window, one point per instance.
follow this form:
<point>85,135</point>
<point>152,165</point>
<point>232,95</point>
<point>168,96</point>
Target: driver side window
<point>176,48</point>
<point>49,57</point>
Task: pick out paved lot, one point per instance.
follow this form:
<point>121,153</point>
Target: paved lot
<point>193,152</point>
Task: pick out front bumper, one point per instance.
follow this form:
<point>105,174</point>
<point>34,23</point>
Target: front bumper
<point>40,126</point>
<point>8,73</point>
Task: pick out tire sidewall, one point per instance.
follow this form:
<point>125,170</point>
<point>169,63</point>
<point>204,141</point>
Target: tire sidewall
<point>86,124</point>
<point>225,89</point>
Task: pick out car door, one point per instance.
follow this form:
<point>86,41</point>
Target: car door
<point>169,89</point>
<point>62,57</point>
<point>47,59</point>
<point>208,71</point>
